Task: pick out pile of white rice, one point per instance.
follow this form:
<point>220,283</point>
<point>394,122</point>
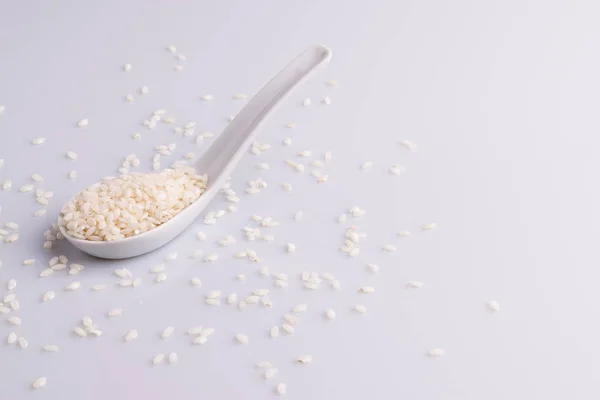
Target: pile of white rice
<point>117,208</point>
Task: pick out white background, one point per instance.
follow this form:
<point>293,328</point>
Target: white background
<point>502,98</point>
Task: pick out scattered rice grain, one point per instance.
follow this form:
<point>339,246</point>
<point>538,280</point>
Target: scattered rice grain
<point>171,256</point>
<point>494,305</point>
<point>270,373</point>
<point>330,314</point>
<point>305,359</point>
<point>131,335</point>
<point>409,145</point>
<point>39,382</point>
<point>23,343</point>
<point>115,312</point>
<point>241,338</point>
<point>11,338</point>
<point>167,332</point>
<point>73,286</point>
<point>428,227</point>
<point>436,353</point>
<point>287,328</point>
<point>281,389</point>
<point>79,331</point>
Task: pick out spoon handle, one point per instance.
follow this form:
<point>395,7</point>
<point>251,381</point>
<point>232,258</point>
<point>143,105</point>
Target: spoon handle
<point>223,155</point>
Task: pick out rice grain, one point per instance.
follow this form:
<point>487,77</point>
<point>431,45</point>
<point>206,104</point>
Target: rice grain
<point>167,332</point>
<point>436,353</point>
<point>159,358</point>
<point>305,359</point>
<point>281,389</point>
<point>428,227</point>
<point>330,314</point>
<point>287,328</point>
<point>300,308</point>
<point>23,343</point>
<point>79,331</point>
<point>241,338</point>
<point>115,312</point>
<point>270,373</point>
<point>409,145</point>
<point>39,382</point>
<point>131,335</point>
<point>494,305</point>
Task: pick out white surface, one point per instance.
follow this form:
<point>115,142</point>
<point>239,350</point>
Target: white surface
<point>500,96</point>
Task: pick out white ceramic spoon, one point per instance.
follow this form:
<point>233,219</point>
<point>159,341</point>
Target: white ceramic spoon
<point>218,161</point>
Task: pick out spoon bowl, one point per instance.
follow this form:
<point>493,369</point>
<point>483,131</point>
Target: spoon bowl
<point>217,162</point>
